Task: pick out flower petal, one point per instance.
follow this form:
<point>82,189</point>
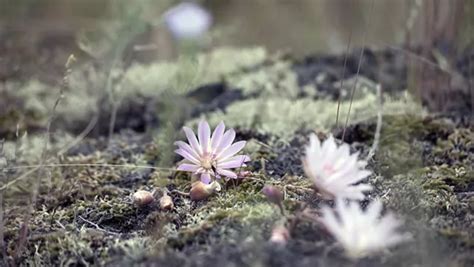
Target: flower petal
<point>233,162</point>
<point>192,140</point>
<point>226,141</point>
<point>227,173</point>
<point>186,147</point>
<point>206,178</point>
<point>188,167</point>
<point>217,135</point>
<point>204,135</point>
<point>314,144</point>
<point>186,155</point>
<point>232,150</point>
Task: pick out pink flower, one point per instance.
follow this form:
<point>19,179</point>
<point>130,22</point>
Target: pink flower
<point>188,20</point>
<point>334,170</point>
<point>209,155</point>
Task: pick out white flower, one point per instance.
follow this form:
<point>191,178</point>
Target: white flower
<point>362,233</point>
<point>211,156</point>
<point>187,20</point>
<point>334,170</point>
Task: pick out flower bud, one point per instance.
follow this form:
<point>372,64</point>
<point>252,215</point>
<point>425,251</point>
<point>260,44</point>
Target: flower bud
<point>280,235</point>
<point>201,191</point>
<point>243,174</point>
<point>142,198</point>
<point>188,20</point>
<point>273,194</point>
<point>166,202</point>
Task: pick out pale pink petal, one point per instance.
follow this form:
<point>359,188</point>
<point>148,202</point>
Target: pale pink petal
<point>186,155</point>
<point>232,150</point>
<point>204,135</point>
<point>217,135</point>
<point>206,178</point>
<point>227,173</point>
<point>186,147</point>
<point>243,158</point>
<point>226,141</point>
<point>192,140</point>
<point>188,167</point>
<point>234,162</point>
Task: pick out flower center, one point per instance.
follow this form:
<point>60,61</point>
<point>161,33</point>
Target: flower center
<point>207,161</point>
<point>329,169</point>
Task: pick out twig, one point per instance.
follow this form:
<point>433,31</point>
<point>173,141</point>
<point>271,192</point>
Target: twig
<point>60,224</point>
<point>379,123</point>
<point>81,136</point>
<point>97,226</point>
<point>62,151</point>
<point>420,58</point>
<point>179,192</point>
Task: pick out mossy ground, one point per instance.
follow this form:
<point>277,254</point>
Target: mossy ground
<point>84,215</point>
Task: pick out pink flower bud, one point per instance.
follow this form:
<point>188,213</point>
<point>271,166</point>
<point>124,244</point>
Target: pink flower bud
<point>273,194</point>
<point>166,202</point>
<point>201,191</point>
<point>280,235</point>
<point>142,198</point>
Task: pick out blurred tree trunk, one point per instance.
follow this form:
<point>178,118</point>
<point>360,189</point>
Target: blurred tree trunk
<point>436,78</point>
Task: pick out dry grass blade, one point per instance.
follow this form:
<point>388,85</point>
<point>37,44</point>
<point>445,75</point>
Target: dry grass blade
<point>361,57</point>
<point>64,86</point>
<point>343,76</point>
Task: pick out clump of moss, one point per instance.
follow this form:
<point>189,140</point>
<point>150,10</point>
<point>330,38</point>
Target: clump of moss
<point>276,79</point>
<point>282,116</point>
<point>426,167</point>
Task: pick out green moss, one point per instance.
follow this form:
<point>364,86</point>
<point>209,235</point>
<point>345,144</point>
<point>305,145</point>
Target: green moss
<point>84,214</point>
<point>426,163</point>
<point>187,73</point>
<point>283,116</point>
<point>276,79</point>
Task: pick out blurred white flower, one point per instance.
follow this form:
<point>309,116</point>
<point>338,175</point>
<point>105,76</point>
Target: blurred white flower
<point>362,233</point>
<point>334,171</point>
<point>187,20</point>
<point>211,155</point>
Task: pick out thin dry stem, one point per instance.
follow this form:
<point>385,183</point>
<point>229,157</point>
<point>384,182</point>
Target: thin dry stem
<point>64,86</point>
<point>378,128</point>
<point>342,78</point>
<point>358,71</point>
